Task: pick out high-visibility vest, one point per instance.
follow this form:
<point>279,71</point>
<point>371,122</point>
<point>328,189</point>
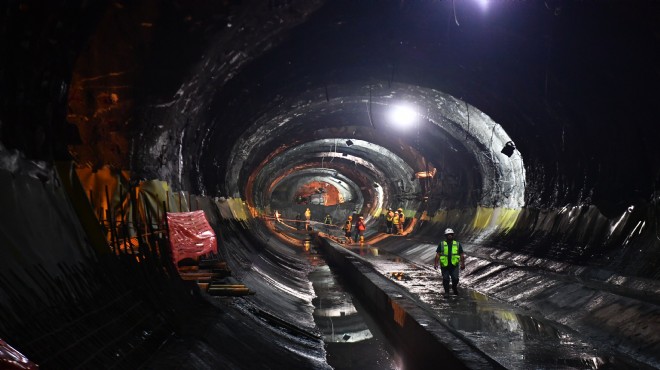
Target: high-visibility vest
<point>395,220</point>
<point>390,216</point>
<point>348,226</point>
<point>455,257</point>
<point>328,220</point>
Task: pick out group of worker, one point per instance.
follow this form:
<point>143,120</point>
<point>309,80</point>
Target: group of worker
<point>449,253</point>
<point>354,230</point>
<point>394,221</point>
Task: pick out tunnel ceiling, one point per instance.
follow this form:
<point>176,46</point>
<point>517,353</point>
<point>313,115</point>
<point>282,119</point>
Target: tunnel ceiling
<point>233,99</point>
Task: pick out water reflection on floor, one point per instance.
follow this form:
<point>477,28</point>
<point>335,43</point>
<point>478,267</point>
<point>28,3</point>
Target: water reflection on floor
<point>353,341</point>
<point>513,338</point>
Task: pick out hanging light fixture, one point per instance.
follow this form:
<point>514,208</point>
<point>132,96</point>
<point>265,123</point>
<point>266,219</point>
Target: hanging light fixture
<point>508,149</point>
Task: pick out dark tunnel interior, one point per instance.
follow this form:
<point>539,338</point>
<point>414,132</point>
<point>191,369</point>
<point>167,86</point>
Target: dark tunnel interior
<point>345,107</point>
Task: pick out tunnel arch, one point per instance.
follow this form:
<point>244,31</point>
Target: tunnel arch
<point>381,166</point>
<point>361,108</point>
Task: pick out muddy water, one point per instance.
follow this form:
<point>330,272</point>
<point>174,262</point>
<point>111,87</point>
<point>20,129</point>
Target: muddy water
<point>353,340</point>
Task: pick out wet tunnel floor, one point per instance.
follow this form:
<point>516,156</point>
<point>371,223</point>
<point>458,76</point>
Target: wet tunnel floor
<point>514,338</point>
<point>353,340</point>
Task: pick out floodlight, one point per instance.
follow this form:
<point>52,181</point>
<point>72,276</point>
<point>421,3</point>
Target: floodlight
<point>403,115</point>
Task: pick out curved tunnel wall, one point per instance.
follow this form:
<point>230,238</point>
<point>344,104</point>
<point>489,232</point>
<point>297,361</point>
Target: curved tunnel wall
<point>585,141</point>
<point>574,92</point>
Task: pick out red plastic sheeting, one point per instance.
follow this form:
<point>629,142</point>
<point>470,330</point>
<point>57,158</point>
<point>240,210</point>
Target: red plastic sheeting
<point>191,235</point>
<point>14,360</point>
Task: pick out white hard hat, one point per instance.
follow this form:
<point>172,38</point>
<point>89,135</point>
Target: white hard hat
<point>449,231</point>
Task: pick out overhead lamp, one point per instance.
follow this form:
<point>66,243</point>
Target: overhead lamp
<point>403,115</point>
<point>349,142</point>
<point>508,149</point>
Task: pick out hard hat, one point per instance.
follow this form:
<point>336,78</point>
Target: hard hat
<point>400,209</point>
<point>350,217</point>
<point>449,231</point>
<point>361,218</point>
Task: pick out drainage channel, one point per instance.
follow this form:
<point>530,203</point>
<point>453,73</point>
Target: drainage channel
<point>352,337</point>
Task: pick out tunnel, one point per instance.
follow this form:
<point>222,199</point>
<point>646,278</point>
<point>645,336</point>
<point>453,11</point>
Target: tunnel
<point>528,128</point>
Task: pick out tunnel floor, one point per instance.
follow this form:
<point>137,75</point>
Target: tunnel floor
<point>514,338</point>
<point>353,340</point>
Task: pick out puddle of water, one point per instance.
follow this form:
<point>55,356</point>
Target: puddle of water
<point>515,339</point>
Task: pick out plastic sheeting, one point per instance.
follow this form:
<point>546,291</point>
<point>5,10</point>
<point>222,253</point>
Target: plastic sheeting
<point>191,235</point>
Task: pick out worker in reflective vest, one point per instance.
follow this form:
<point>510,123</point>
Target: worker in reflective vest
<point>449,254</point>
<point>395,222</point>
<point>388,220</point>
<point>348,226</point>
<point>327,221</point>
<point>361,227</point>
<point>402,220</point>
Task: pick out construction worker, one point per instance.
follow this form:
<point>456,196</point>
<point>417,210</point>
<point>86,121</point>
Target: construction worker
<point>395,222</point>
<point>308,216</point>
<point>327,221</point>
<point>450,254</point>
<point>389,217</point>
<point>402,219</point>
<point>361,227</point>
<point>348,226</point>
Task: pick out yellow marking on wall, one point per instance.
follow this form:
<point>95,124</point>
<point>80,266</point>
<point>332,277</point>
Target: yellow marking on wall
<point>440,216</point>
<point>507,218</point>
<point>482,218</point>
<point>502,218</point>
<point>237,208</point>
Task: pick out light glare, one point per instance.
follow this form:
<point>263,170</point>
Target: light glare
<point>403,115</point>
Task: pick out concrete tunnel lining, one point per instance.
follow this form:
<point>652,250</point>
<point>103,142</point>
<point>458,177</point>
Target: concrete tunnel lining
<point>503,183</point>
<point>573,91</point>
<point>386,170</point>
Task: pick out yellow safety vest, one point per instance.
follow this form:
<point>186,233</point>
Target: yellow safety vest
<point>395,220</point>
<point>390,217</point>
<point>455,257</point>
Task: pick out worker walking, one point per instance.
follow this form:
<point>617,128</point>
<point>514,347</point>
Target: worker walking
<point>327,221</point>
<point>402,220</point>
<point>450,254</point>
<point>395,222</point>
<point>389,217</point>
<point>308,216</point>
<point>361,227</point>
<point>348,226</point>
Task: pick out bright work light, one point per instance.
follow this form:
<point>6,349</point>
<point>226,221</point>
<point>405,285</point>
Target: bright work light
<point>403,115</point>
